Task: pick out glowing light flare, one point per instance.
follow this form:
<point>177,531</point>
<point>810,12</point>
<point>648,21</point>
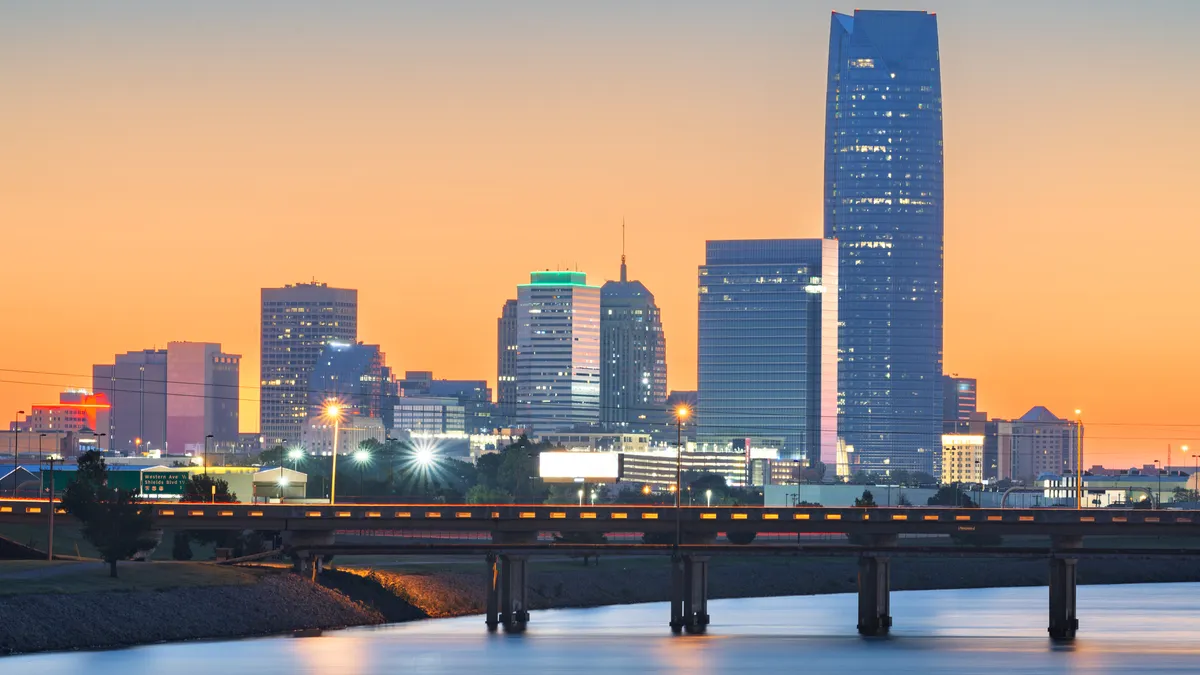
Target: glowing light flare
<point>682,412</point>
<point>362,456</point>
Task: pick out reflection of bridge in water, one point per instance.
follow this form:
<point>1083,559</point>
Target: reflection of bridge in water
<point>506,536</point>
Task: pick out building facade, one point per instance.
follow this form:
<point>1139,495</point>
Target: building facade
<point>961,459</point>
<point>357,377</point>
<point>135,384</point>
<point>202,398</point>
<point>429,414</point>
<point>884,204</point>
<point>78,411</point>
<point>768,345</point>
<point>298,320</point>
<point>633,365</point>
<point>316,435</point>
<point>506,362</point>
<point>1038,443</point>
<point>558,352</point>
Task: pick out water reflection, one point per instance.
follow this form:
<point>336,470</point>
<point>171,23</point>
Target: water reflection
<point>1148,628</point>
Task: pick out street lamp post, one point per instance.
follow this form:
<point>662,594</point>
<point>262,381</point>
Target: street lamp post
<point>334,411</point>
<point>41,453</point>
<point>708,496</point>
<point>361,457</point>
<point>1196,470</point>
<point>581,496</point>
<point>681,414</point>
<point>50,532</point>
<point>206,438</point>
<point>1158,493</point>
<point>1078,459</point>
<point>16,446</point>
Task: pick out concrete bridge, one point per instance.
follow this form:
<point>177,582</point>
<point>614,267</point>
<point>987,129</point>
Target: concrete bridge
<point>506,536</point>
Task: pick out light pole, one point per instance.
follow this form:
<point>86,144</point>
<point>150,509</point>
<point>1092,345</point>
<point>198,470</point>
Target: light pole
<point>581,496</point>
<point>333,411</point>
<point>593,497</point>
<point>294,454</point>
<point>708,496</point>
<point>16,446</point>
<point>206,438</point>
<point>50,533</point>
<point>1078,459</point>
<point>681,414</point>
<point>1158,493</point>
<point>40,454</point>
<point>1196,470</point>
<point>283,481</point>
<point>361,457</point>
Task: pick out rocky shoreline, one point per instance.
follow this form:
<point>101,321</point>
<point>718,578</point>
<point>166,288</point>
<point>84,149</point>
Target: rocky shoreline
<point>279,602</point>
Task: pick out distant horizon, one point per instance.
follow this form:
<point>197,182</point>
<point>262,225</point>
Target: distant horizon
<point>166,161</point>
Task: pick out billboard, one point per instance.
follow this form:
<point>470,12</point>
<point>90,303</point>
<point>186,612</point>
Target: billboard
<point>574,467</point>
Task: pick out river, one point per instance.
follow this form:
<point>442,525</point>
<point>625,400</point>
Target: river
<point>1145,628</point>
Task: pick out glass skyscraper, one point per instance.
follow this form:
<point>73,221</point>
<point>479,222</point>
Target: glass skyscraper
<point>298,320</point>
<point>633,366</point>
<point>884,204</point>
<point>768,345</point>
<point>558,352</point>
<point>357,376</point>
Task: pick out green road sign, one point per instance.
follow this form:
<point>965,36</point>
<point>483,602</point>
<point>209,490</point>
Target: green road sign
<point>164,482</point>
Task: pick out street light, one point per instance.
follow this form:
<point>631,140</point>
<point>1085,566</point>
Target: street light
<point>295,454</point>
<point>333,410</point>
<point>708,496</point>
<point>50,534</point>
<point>1196,470</point>
<point>361,457</point>
<point>206,453</point>
<point>593,497</point>
<point>16,445</point>
<point>40,453</point>
<point>581,496</point>
<point>681,414</point>
<point>1158,494</point>
<point>1078,459</point>
<point>283,481</point>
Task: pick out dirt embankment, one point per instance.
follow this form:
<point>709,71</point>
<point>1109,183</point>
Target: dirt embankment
<point>623,581</point>
<point>276,603</point>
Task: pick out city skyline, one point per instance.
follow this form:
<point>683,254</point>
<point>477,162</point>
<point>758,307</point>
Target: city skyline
<point>1054,340</point>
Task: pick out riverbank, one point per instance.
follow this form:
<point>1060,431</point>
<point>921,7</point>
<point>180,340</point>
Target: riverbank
<point>69,606</point>
<point>60,606</point>
<point>460,590</point>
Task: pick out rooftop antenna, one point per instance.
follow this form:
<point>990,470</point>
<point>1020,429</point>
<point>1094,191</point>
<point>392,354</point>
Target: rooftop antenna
<point>624,277</point>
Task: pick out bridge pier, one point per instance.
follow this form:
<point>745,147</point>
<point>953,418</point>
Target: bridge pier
<point>492,617</point>
<point>513,599</point>
<point>874,591</point>
<point>689,593</point>
<point>1063,620</point>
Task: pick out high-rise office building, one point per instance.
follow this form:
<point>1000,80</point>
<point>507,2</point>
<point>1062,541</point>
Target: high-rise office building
<point>884,204</point>
<point>202,398</point>
<point>136,386</point>
<point>1039,442</point>
<point>768,345</point>
<point>78,411</point>
<point>958,398</point>
<point>473,396</point>
<point>558,351</point>
<point>506,362</point>
<point>633,364</point>
<point>357,376</point>
<point>297,322</point>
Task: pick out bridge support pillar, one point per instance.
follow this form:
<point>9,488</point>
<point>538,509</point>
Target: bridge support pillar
<point>493,593</point>
<point>1063,621</point>
<point>514,604</point>
<point>689,593</point>
<point>874,588</point>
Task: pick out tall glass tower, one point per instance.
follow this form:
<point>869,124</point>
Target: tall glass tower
<point>768,345</point>
<point>884,203</point>
<point>633,364</point>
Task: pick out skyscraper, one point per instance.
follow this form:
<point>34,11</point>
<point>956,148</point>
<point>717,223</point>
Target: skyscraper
<point>297,322</point>
<point>558,351</point>
<point>506,362</point>
<point>633,365</point>
<point>884,204</point>
<point>136,386</point>
<point>958,398</point>
<point>768,345</point>
<point>202,397</point>
<point>357,375</point>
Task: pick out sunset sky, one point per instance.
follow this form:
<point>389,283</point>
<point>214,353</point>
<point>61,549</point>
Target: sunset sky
<point>160,162</point>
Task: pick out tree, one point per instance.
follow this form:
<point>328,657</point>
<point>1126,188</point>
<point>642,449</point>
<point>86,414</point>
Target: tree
<point>814,473</point>
<point>903,500</point>
<point>867,499</point>
<point>920,478</point>
<point>181,547</point>
<point>861,478</point>
<point>199,488</point>
<point>951,495</point>
<point>482,494</point>
<point>272,456</point>
<point>113,519</point>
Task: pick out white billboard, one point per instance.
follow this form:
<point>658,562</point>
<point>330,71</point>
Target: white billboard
<point>571,467</point>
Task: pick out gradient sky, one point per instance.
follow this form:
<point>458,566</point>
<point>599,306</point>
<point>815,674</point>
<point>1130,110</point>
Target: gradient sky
<point>160,162</point>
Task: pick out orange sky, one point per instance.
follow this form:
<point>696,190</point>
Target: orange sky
<point>160,163</point>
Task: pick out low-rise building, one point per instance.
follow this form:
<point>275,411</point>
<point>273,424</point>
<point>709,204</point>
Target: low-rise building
<point>961,460</point>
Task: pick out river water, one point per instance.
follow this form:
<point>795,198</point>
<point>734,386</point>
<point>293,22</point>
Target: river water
<point>1144,628</point>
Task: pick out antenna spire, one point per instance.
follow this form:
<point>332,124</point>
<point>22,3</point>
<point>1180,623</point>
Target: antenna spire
<point>624,276</point>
